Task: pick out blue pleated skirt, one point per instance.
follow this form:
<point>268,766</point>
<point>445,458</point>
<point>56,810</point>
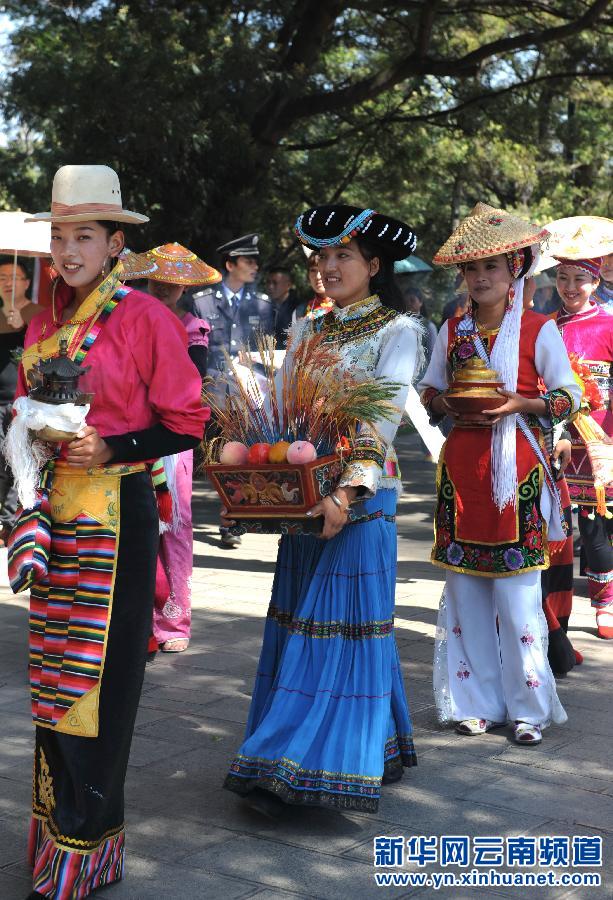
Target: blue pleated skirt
<point>329,719</point>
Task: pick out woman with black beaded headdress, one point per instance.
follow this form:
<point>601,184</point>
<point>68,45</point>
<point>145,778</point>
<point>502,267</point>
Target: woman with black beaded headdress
<point>329,721</point>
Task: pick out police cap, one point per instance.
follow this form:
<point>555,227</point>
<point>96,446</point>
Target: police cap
<point>247,245</point>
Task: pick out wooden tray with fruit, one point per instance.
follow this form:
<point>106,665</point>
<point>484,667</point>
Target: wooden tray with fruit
<point>266,483</point>
<point>268,487</point>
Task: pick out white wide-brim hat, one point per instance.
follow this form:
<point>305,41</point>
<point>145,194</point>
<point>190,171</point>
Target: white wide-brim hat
<point>577,237</point>
<point>86,193</point>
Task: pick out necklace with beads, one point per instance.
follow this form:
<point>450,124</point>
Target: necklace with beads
<point>484,328</point>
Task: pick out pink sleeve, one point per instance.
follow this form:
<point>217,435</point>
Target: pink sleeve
<point>158,343</point>
<point>197,331</point>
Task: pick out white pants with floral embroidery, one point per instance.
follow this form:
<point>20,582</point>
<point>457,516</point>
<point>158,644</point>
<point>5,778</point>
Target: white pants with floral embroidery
<point>491,652</point>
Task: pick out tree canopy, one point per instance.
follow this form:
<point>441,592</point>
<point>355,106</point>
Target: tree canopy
<point>225,117</point>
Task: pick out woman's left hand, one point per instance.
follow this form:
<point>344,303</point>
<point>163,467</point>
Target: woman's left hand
<point>335,517</point>
<point>88,449</point>
<point>515,403</point>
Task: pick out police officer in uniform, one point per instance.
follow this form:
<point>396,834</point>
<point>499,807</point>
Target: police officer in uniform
<point>233,308</point>
<point>235,311</point>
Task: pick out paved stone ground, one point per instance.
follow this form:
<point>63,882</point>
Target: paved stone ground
<point>189,839</point>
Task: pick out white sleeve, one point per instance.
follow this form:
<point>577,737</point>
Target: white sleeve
<point>436,373</point>
<point>553,365</point>
<point>396,363</point>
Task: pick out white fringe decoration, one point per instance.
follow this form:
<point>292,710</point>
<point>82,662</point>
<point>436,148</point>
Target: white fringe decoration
<point>25,455</point>
<point>26,459</point>
<point>505,359</point>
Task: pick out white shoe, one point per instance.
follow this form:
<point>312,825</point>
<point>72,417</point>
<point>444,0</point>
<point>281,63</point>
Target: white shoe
<point>524,733</point>
<point>473,727</point>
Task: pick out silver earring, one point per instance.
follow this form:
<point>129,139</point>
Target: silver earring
<point>103,270</point>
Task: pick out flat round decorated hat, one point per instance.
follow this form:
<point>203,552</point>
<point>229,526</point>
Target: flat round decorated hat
<point>171,263</point>
<point>333,225</point>
<point>487,231</point>
<point>577,237</point>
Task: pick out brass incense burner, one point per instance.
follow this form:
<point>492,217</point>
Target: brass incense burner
<point>473,390</point>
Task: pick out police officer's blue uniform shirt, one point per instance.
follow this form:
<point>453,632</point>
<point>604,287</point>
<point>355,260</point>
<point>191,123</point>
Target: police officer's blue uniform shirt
<point>230,297</point>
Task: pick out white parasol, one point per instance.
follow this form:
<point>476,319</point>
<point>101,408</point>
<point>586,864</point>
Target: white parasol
<point>23,239</point>
<point>577,237</point>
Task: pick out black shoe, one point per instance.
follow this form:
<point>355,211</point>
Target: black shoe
<point>34,895</point>
<point>265,803</point>
<point>229,540</point>
<point>392,778</point>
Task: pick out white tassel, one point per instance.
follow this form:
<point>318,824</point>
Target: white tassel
<point>26,459</point>
<point>505,359</point>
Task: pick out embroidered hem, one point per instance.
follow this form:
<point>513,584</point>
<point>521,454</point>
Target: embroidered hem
<point>582,491</point>
<point>72,874</point>
<point>599,577</point>
<point>443,565</point>
<point>491,560</point>
<point>302,787</point>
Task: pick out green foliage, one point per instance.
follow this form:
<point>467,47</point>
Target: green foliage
<point>225,117</point>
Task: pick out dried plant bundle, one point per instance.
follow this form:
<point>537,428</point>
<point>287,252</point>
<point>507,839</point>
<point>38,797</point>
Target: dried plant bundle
<point>313,397</point>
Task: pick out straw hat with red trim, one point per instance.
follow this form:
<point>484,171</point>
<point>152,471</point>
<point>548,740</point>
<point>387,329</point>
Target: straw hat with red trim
<point>171,263</point>
<point>487,231</point>
<point>85,194</point>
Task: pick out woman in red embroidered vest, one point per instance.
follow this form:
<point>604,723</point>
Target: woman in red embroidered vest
<point>496,507</point>
<point>587,332</point>
<point>91,614</point>
<point>176,267</point>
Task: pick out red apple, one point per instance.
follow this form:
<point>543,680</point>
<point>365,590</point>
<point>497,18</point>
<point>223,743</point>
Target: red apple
<point>258,454</point>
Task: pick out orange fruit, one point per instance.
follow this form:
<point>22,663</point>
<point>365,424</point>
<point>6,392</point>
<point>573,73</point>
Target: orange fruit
<point>278,452</point>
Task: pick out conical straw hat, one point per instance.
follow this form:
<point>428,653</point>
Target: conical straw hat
<point>577,237</point>
<point>487,231</point>
<point>172,263</point>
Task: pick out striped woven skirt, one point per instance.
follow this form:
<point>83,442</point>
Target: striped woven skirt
<point>329,717</point>
<point>89,626</point>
